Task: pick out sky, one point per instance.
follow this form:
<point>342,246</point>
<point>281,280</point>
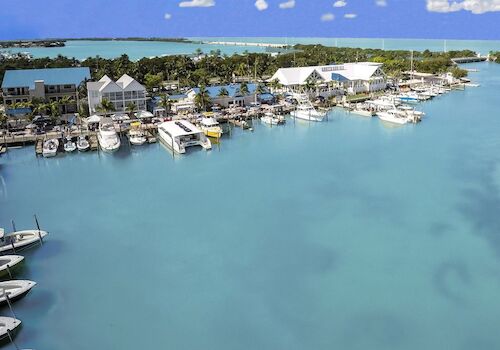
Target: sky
<point>436,19</point>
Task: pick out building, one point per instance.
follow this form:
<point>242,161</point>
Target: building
<point>122,93</point>
<point>45,85</point>
<point>353,78</point>
<point>234,96</point>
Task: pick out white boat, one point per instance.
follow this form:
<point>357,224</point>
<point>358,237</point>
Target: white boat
<point>363,109</point>
<point>8,263</point>
<point>107,136</point>
<point>69,145</point>
<point>136,137</point>
<point>20,239</point>
<point>211,127</point>
<point>14,290</point>
<point>8,328</point>
<point>180,134</point>
<point>393,116</point>
<point>408,97</point>
<point>272,119</point>
<point>411,112</point>
<point>82,143</point>
<point>50,147</point>
<point>306,111</point>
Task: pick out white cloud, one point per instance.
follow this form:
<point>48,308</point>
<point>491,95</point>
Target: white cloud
<point>474,6</point>
<point>167,16</point>
<point>197,3</point>
<point>339,3</point>
<point>350,15</point>
<point>261,5</point>
<point>327,17</point>
<point>381,3</point>
<point>288,4</point>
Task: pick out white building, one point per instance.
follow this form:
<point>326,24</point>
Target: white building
<point>121,93</point>
<point>351,77</point>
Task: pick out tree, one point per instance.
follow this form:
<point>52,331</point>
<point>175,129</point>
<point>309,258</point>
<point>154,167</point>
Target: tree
<point>458,72</point>
<point>165,103</point>
<point>3,119</point>
<point>223,92</point>
<point>202,99</point>
<point>244,89</point>
<point>261,89</point>
<point>106,106</point>
<point>153,81</point>
<point>275,85</point>
<point>241,70</point>
<point>54,111</point>
<point>131,107</point>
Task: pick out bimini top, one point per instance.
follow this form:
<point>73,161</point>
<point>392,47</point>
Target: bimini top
<point>50,76</point>
<point>180,127</point>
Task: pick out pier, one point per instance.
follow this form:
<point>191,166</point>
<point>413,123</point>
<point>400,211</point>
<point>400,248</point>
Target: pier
<point>240,43</point>
<point>460,60</point>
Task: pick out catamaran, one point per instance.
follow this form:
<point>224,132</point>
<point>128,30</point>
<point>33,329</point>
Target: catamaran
<point>180,134</point>
<point>107,136</point>
<point>306,111</point>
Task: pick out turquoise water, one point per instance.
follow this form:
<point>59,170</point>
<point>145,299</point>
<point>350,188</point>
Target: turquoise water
<point>341,235</point>
<point>139,49</point>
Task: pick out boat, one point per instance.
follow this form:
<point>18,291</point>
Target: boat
<point>135,135</point>
<point>180,134</point>
<point>211,127</point>
<point>272,119</point>
<point>363,109</point>
<point>408,97</point>
<point>8,263</point>
<point>8,329</point>
<point>393,116</point>
<point>107,136</point>
<point>50,147</point>
<point>69,145</point>
<point>20,239</point>
<point>82,143</point>
<point>14,290</point>
<point>306,111</point>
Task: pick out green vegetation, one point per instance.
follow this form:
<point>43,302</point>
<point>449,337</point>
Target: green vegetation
<point>495,56</point>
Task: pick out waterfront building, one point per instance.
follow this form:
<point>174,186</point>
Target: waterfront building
<point>121,93</point>
<point>179,104</point>
<point>227,95</point>
<point>352,78</point>
<point>44,85</point>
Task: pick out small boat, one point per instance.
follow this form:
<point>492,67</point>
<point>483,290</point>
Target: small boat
<point>8,263</point>
<point>14,290</point>
<point>82,143</point>
<point>363,109</point>
<point>69,145</point>
<point>20,239</point>
<point>136,137</point>
<point>393,116</point>
<point>272,119</point>
<point>50,147</point>
<point>8,328</point>
<point>107,136</point>
<point>211,127</point>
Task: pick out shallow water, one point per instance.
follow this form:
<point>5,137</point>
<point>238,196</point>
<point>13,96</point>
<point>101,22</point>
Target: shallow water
<point>348,235</point>
<point>82,49</point>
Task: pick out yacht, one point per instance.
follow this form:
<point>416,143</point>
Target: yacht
<point>180,134</point>
<point>50,147</point>
<point>82,143</point>
<point>9,263</point>
<point>14,290</point>
<point>306,111</point>
<point>272,119</point>
<point>107,136</point>
<point>69,145</point>
<point>20,239</point>
<point>8,328</point>
<point>210,126</point>
<point>393,116</point>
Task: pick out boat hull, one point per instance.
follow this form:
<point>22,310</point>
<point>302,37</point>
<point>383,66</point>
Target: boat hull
<point>27,239</point>
<point>10,263</point>
<point>15,295</point>
<point>8,326</point>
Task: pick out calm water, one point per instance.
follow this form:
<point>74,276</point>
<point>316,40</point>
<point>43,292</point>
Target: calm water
<point>341,235</point>
<point>140,49</point>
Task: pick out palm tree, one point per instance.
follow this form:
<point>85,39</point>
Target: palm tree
<point>54,110</point>
<point>310,85</point>
<point>244,89</point>
<point>275,85</point>
<point>165,103</point>
<point>130,108</point>
<point>66,100</point>
<point>202,99</point>
<point>3,119</point>
<point>106,106</point>
<point>241,70</point>
<point>223,92</point>
<point>261,89</point>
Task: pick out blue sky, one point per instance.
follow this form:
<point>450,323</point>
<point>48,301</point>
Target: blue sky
<point>457,19</point>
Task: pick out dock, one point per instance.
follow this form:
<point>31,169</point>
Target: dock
<point>460,60</point>
<point>241,43</point>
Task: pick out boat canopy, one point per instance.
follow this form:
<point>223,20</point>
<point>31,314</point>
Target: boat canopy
<point>93,119</point>
<point>144,114</point>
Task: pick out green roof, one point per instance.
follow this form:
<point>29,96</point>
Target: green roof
<point>51,76</point>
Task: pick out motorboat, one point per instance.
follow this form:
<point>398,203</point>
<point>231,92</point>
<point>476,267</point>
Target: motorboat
<point>136,137</point>
<point>211,127</point>
<point>9,263</point>
<point>14,290</point>
<point>50,147</point>
<point>272,119</point>
<point>8,329</point>
<point>408,97</point>
<point>20,239</point>
<point>69,145</point>
<point>107,136</point>
<point>363,109</point>
<point>306,111</point>
<point>393,116</point>
<point>180,134</point>
<point>82,143</point>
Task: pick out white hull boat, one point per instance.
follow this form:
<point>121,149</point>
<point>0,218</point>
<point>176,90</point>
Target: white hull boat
<point>272,119</point>
<point>107,136</point>
<point>180,134</point>
<point>8,263</point>
<point>50,148</point>
<point>136,137</point>
<point>82,144</point>
<point>8,328</point>
<point>393,116</point>
<point>14,290</point>
<point>69,145</point>
<point>306,111</point>
<point>20,239</point>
